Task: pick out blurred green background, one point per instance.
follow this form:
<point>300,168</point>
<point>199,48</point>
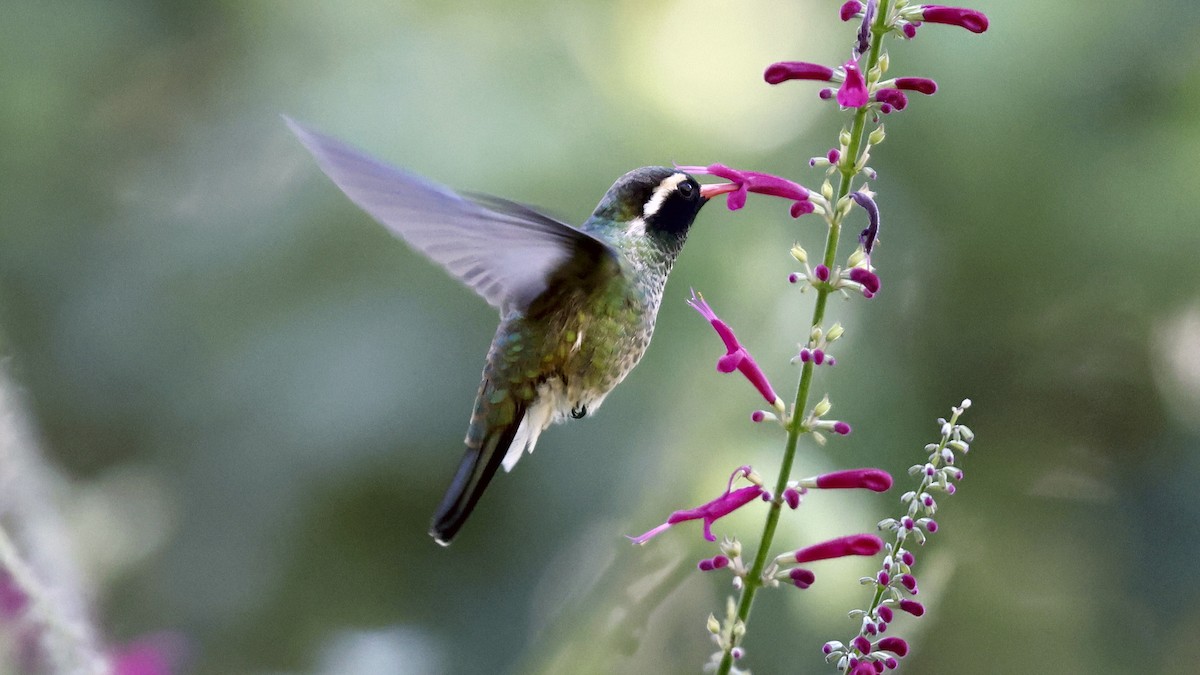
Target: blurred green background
<point>258,396</point>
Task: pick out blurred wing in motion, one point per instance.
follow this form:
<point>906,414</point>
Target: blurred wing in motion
<point>505,251</point>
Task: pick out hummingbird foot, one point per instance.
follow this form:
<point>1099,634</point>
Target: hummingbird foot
<point>579,413</point>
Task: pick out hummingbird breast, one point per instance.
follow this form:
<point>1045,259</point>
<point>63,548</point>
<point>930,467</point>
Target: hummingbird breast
<point>563,357</point>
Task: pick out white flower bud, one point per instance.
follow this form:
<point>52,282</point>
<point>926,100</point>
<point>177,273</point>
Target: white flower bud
<point>823,406</point>
<point>799,253</point>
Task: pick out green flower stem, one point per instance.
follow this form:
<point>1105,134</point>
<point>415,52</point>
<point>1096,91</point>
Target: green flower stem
<point>753,579</point>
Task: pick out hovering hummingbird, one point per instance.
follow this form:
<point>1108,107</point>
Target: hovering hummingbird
<point>577,305</point>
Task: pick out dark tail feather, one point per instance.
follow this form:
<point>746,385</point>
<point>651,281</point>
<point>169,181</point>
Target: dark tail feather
<point>474,473</point>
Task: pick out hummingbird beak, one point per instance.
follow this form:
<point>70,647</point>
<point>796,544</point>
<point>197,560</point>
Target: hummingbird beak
<point>710,191</point>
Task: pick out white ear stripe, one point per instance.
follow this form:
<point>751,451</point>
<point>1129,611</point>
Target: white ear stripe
<point>666,187</point>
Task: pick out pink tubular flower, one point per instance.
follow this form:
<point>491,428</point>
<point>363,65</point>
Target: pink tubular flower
<point>744,182</point>
<point>854,544</point>
<point>850,10</point>
<point>853,92</point>
<point>797,70</point>
<point>718,508</point>
<point>973,20</point>
<point>736,357</point>
<point>912,607</point>
<point>875,480</point>
<point>894,645</point>
<point>921,85</point>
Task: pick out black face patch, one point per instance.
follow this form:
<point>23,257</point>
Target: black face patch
<point>662,202</point>
<point>672,205</point>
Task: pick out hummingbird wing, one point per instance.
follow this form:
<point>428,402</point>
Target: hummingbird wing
<point>507,252</point>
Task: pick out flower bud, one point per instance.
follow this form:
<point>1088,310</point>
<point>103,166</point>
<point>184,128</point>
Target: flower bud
<point>822,407</point>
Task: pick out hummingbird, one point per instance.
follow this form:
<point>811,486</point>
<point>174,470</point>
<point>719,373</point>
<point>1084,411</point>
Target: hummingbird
<point>577,304</point>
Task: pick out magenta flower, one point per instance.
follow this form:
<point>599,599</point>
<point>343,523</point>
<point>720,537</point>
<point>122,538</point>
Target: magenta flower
<point>797,70</point>
<point>718,508</point>
<point>891,99</point>
<point>736,357</point>
<point>864,668</point>
<point>850,10</point>
<point>894,645</point>
<point>868,279</point>
<point>971,19</point>
<point>802,578</point>
<point>744,182</point>
<point>922,85</point>
<point>912,607</point>
<point>875,480</point>
<point>791,497</point>
<point>853,92</point>
<point>854,544</point>
<point>885,613</point>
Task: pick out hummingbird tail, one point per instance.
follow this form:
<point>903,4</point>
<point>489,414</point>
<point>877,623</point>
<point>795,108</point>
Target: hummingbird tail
<point>478,466</point>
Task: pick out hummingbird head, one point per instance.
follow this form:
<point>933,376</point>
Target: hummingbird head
<point>655,202</point>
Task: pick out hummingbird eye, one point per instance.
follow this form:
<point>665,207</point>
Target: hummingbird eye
<point>686,189</point>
